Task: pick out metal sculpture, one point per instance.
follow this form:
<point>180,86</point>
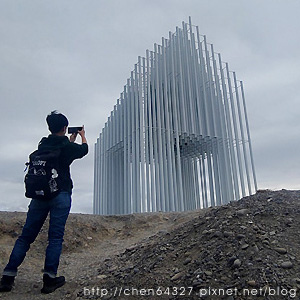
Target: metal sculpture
<point>178,138</point>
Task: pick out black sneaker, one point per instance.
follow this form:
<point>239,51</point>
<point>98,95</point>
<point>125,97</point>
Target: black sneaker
<point>51,284</point>
<point>6,283</point>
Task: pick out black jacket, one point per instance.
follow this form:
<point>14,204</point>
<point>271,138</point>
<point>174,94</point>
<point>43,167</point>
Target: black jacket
<point>69,152</point>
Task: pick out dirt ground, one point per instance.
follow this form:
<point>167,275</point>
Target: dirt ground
<point>247,249</point>
<point>89,240</point>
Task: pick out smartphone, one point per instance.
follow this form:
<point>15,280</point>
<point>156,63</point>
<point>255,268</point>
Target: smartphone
<point>74,129</point>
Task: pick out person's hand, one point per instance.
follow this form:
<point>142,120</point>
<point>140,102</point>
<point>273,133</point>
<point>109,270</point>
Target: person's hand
<point>82,134</point>
<point>82,131</point>
<point>73,137</point>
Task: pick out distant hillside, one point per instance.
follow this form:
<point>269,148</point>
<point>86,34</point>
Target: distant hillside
<point>248,249</point>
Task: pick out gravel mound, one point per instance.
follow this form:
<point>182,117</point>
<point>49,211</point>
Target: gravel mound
<point>247,249</point>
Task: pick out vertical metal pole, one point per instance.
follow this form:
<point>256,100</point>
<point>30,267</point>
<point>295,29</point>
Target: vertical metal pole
<point>102,174</point>
<point>204,176</point>
<point>210,175</point>
<point>180,203</point>
<point>212,107</point>
<point>210,91</point>
<point>242,132</point>
<point>99,178</point>
<point>151,137</point>
<point>182,100</point>
<point>96,196</point>
<point>169,138</point>
<point>248,135</point>
<point>159,130</point>
<point>114,163</point>
<point>125,147</point>
<point>195,66</point>
<point>147,132</point>
<point>137,140</point>
<point>197,183</point>
<point>229,130</point>
<point>162,126</point>
<point>155,136</point>
<point>225,159</point>
<point>127,152</point>
<point>133,147</point>
<point>201,72</point>
<point>235,132</point>
<point>141,136</point>
<point>187,63</point>
<point>110,167</point>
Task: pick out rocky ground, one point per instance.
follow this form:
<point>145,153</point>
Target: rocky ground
<point>247,249</point>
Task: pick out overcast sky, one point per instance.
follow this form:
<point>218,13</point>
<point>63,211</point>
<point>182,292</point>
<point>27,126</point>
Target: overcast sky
<point>75,57</point>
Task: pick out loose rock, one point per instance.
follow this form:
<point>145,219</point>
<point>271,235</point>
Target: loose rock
<point>281,250</point>
<point>237,263</point>
<point>287,265</point>
<point>177,276</point>
<point>242,212</point>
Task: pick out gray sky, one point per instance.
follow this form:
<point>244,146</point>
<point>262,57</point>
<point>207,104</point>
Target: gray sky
<point>75,57</point>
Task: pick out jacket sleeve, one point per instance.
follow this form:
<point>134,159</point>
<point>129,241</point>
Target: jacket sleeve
<point>74,151</point>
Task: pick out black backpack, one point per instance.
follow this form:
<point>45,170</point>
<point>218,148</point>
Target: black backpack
<point>42,180</point>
